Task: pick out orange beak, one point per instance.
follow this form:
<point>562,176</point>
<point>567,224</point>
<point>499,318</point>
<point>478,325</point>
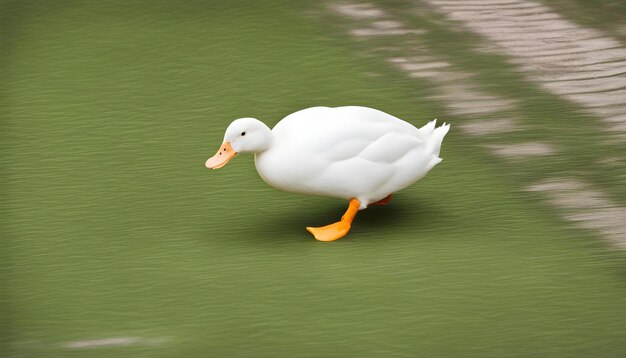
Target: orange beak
<point>223,155</point>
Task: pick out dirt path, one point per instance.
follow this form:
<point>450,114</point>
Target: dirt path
<point>580,64</point>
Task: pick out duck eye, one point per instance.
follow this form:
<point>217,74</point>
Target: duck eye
<point>243,133</point>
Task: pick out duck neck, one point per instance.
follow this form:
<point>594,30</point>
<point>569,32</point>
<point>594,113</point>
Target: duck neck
<point>265,140</point>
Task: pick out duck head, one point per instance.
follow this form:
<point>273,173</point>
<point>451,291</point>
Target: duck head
<point>243,135</point>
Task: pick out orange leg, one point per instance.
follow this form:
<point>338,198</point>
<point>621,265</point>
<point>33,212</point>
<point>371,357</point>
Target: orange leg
<point>384,201</point>
<point>339,229</point>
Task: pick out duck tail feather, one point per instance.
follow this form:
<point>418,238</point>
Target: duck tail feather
<point>434,161</point>
<point>437,138</point>
<point>429,127</point>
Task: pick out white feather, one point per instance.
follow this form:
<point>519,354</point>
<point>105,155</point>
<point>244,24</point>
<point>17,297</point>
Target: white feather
<point>348,152</point>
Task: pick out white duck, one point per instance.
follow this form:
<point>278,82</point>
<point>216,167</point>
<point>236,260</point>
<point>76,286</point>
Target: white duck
<point>355,153</point>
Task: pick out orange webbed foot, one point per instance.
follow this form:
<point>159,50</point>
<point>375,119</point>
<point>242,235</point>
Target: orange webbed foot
<point>330,232</point>
<point>384,201</point>
<point>339,229</point>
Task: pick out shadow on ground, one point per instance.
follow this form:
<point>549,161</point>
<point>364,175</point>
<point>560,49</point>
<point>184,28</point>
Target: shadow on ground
<point>289,223</point>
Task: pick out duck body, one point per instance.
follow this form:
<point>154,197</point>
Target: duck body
<point>348,152</point>
<point>356,153</point>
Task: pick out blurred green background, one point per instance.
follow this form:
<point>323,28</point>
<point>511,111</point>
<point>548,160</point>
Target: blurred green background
<point>118,242</point>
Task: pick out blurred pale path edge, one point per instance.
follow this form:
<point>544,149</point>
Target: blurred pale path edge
<point>119,241</point>
<point>570,162</point>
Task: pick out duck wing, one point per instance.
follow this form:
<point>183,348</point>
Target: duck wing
<point>390,148</point>
<point>367,133</point>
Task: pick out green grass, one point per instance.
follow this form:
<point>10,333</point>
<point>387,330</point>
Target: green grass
<point>114,228</point>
